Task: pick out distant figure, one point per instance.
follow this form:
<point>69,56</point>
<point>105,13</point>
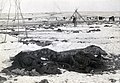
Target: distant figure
<point>112,18</point>
<point>101,18</point>
<point>64,18</point>
<point>74,21</point>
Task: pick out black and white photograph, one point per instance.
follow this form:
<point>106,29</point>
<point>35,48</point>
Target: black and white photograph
<point>59,41</point>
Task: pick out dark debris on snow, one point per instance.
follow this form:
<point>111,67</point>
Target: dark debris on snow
<point>47,61</point>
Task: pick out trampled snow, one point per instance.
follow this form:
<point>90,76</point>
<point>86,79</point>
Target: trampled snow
<point>108,38</point>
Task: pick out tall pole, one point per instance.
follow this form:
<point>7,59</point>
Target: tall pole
<point>20,13</point>
<point>26,34</point>
<point>8,20</point>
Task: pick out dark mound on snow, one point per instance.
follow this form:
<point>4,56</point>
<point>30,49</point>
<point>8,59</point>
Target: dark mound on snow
<point>46,61</point>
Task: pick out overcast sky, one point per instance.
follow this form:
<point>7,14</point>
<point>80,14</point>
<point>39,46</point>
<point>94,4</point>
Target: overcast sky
<point>65,5</point>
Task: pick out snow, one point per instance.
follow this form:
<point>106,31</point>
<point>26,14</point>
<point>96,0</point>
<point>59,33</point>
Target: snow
<point>108,39</point>
<point>68,77</point>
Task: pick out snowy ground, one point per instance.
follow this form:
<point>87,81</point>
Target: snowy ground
<point>108,39</point>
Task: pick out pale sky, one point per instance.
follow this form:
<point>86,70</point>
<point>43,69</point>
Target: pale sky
<point>64,5</point>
